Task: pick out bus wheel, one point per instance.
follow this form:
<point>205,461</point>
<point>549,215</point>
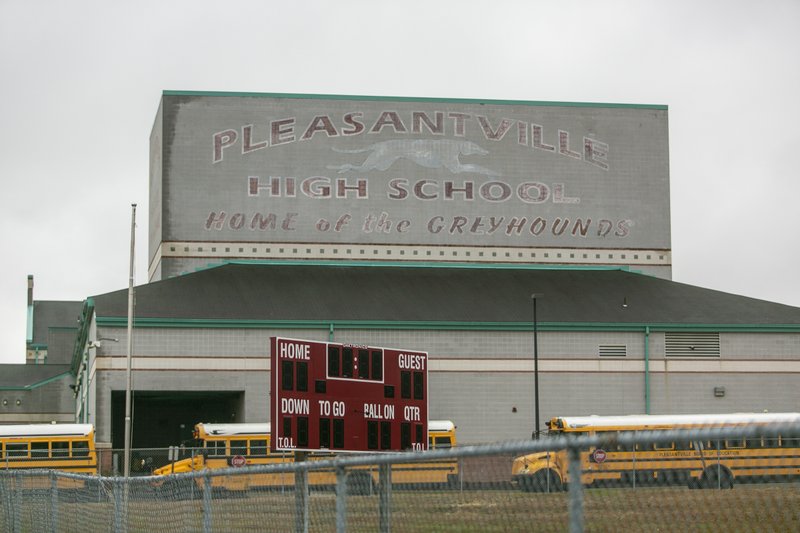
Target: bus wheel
<point>545,481</point>
<point>714,477</point>
<point>360,483</point>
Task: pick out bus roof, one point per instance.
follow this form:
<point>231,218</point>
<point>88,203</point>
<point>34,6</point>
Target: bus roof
<point>46,430</point>
<point>441,425</point>
<point>230,430</point>
<point>659,421</point>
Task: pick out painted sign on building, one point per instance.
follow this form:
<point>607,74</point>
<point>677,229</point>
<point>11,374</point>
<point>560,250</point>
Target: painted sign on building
<point>394,176</point>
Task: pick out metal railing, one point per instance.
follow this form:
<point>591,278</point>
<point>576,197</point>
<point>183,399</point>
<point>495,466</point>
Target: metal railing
<point>285,497</point>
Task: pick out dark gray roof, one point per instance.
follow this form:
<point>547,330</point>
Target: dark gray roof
<point>30,376</point>
<point>56,326</point>
<point>403,293</point>
<point>49,314</point>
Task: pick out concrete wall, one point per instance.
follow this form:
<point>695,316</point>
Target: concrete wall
<point>483,381</point>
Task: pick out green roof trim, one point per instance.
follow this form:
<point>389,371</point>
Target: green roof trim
<point>411,264</point>
<point>83,334</point>
<point>140,322</point>
<point>38,383</point>
<point>293,96</point>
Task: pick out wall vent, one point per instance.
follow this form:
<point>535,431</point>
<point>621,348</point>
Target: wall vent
<point>613,350</point>
<point>679,344</point>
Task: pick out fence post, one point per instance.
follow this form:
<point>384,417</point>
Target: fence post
<point>206,501</point>
<point>385,506</point>
<point>118,511</point>
<point>341,499</point>
<point>17,510</point>
<point>575,490</point>
<point>300,494</point>
<point>53,501</point>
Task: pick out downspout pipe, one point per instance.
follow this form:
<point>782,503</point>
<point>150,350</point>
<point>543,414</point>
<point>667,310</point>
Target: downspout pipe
<point>647,370</point>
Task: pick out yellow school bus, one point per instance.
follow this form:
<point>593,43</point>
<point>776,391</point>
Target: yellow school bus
<point>698,464</point>
<point>239,445</point>
<point>66,447</point>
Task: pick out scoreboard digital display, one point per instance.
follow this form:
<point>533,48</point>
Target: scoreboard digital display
<point>347,397</point>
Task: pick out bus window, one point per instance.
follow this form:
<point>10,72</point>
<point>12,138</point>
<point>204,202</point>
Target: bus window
<point>258,448</point>
<point>664,446</point>
<point>790,441</point>
<point>734,444</point>
<point>754,442</point>
<point>39,450</point>
<point>60,449</point>
<point>238,447</point>
<point>17,449</point>
<point>685,445</point>
<point>215,447</point>
<point>80,448</point>
<point>442,442</point>
<point>771,442</point>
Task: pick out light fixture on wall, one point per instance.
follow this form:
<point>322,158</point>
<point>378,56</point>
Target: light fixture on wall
<point>98,343</point>
<point>719,392</point>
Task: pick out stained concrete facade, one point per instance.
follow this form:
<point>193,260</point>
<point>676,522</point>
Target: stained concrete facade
<point>481,370</point>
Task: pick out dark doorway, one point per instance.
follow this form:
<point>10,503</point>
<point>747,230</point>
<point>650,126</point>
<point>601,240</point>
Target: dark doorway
<point>164,418</point>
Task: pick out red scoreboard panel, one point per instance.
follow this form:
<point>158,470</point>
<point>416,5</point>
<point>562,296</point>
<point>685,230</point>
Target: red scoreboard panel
<point>347,397</point>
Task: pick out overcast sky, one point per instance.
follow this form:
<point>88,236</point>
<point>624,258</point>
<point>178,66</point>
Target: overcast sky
<point>80,84</point>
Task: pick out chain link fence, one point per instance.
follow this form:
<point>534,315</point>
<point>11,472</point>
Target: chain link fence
<point>638,481</point>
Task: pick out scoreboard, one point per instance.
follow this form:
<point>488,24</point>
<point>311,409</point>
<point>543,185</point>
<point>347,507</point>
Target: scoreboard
<point>347,397</point>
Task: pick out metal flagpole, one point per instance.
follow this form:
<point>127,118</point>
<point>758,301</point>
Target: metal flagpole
<point>535,369</point>
<point>127,467</point>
